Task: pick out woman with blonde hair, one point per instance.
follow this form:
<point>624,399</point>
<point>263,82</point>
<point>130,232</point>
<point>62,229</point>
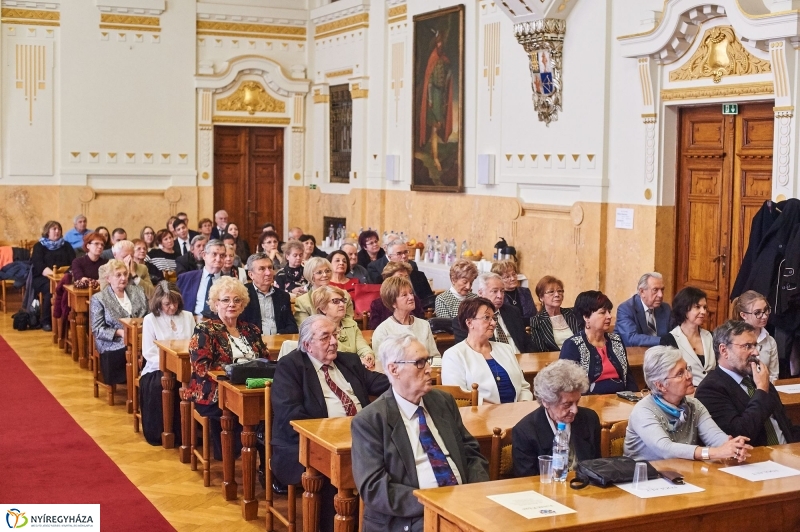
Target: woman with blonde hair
<point>462,273</point>
<point>332,302</point>
<point>753,308</point>
<point>317,271</point>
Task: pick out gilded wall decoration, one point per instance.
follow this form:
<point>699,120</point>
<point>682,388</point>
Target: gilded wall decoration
<point>251,97</point>
<point>30,17</point>
<point>31,73</point>
<point>543,41</point>
<point>723,91</point>
<point>720,54</point>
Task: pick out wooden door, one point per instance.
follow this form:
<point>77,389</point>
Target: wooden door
<point>248,177</point>
<point>725,174</point>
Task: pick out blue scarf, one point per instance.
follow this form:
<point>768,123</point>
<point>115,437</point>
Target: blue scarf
<point>677,415</point>
<point>50,244</point>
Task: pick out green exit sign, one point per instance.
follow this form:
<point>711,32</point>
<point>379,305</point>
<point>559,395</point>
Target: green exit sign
<point>730,108</point>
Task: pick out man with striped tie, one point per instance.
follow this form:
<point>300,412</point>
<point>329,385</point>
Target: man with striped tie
<point>411,437</point>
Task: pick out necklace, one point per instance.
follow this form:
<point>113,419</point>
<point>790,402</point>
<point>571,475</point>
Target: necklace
<point>410,320</point>
<point>241,344</point>
<point>513,298</point>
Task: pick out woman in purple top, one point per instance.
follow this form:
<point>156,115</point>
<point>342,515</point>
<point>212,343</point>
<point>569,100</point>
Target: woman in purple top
<point>88,266</point>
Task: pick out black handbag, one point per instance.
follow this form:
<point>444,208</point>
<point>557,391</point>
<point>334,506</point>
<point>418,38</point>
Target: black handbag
<point>260,368</point>
<point>605,472</point>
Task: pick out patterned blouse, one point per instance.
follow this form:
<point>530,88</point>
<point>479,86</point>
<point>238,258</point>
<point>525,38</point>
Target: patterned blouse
<point>210,349</point>
<point>447,304</point>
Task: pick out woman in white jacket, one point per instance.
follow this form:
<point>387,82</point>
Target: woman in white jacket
<point>493,365</point>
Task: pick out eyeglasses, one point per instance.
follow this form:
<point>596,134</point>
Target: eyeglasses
<point>227,301</point>
<point>486,318</point>
<point>682,374</point>
<point>509,277</point>
<point>746,347</point>
<point>338,300</point>
<point>420,363</point>
<point>322,272</point>
<point>370,242</point>
<point>401,253</point>
<point>760,313</point>
<point>554,292</point>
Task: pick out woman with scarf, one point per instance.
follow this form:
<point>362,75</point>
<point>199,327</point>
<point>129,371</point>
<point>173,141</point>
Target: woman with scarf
<point>51,250</point>
<point>669,423</point>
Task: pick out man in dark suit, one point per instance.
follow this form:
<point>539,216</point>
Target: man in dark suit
<point>270,308</point>
<point>220,225</point>
<point>185,217</point>
<point>194,260</point>
<point>194,285</point>
<point>738,394</point>
<point>183,242</point>
<point>397,251</point>
<point>558,389</point>
<point>311,382</point>
<point>510,325</point>
<point>644,318</point>
<point>411,437</point>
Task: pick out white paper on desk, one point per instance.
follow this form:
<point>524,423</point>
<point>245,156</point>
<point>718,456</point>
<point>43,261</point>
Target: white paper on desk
<point>530,504</point>
<point>788,388</point>
<point>761,471</point>
<point>658,488</point>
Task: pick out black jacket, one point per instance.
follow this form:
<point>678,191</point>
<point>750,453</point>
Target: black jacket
<point>418,279</point>
<point>532,436</point>
<point>542,338</point>
<point>297,394</point>
<point>363,257</point>
<point>283,311</point>
<point>738,414</point>
<point>512,318</point>
<point>187,263</point>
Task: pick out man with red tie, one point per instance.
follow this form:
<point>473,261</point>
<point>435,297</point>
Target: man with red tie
<point>315,381</point>
<point>411,437</point>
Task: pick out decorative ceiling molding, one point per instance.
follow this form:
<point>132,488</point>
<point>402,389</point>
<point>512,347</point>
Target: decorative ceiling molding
<point>720,54</point>
<point>246,29</point>
<point>342,25</point>
<point>338,10</point>
<point>274,77</point>
<point>251,97</point>
<point>113,21</point>
<point>132,7</point>
<point>718,91</point>
<point>30,17</point>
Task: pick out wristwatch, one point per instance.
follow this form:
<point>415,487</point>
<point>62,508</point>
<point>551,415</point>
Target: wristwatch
<point>704,453</point>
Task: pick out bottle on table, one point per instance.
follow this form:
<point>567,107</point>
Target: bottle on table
<point>561,453</point>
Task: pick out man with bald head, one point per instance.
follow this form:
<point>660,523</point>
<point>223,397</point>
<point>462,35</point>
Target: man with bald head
<point>220,224</point>
<point>295,233</point>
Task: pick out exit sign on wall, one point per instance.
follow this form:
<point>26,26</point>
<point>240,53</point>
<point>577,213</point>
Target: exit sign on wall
<point>730,108</point>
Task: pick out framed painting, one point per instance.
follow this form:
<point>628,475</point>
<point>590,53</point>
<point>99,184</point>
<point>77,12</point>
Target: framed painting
<point>438,132</point>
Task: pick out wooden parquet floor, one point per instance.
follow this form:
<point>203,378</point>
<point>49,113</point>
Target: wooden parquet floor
<point>173,488</point>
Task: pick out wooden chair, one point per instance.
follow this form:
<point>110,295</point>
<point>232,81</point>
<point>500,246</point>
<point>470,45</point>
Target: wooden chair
<point>94,363</point>
<point>289,520</point>
<point>363,320</point>
<point>500,461</point>
<point>614,439</point>
<point>136,363</point>
<point>4,285</point>
<point>436,375</point>
<point>202,455</point>
<point>57,325</point>
<point>462,398</point>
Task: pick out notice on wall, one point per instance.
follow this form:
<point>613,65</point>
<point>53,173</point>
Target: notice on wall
<point>624,219</point>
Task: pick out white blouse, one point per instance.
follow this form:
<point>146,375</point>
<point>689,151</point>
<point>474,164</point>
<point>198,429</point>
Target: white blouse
<point>161,328</point>
<point>420,329</point>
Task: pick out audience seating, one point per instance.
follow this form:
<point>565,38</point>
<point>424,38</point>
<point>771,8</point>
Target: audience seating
<point>616,439</point>
<point>500,461</point>
<point>289,520</point>
<point>462,398</point>
<point>136,364</point>
<point>204,454</point>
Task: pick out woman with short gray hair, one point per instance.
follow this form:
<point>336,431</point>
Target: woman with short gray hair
<point>318,272</point>
<point>669,423</point>
<point>558,388</point>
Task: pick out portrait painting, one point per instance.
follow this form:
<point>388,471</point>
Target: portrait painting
<point>438,136</point>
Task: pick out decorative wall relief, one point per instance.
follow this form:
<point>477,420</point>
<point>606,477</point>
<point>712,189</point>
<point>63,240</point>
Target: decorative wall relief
<point>720,54</point>
<point>251,97</point>
<point>543,41</point>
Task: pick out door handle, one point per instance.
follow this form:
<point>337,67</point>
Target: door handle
<point>722,257</point>
<point>718,257</point>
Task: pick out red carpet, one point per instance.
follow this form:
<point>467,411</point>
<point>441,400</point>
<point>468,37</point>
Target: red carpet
<point>47,458</point>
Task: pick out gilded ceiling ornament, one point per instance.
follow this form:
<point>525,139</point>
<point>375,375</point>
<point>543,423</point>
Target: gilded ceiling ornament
<point>251,97</point>
<point>720,54</point>
<point>543,40</point>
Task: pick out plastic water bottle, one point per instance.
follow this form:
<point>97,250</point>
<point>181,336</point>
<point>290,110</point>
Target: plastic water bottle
<point>331,235</point>
<point>428,257</point>
<point>437,258</point>
<point>560,453</point>
<point>464,248</point>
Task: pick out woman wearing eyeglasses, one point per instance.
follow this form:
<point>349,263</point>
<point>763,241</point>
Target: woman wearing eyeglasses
<point>553,325</point>
<point>669,423</point>
<point>517,296</point>
<point>600,353</point>
<point>318,272</point>
<point>332,302</point>
<point>493,365</point>
<point>219,342</point>
<point>753,308</point>
<point>689,312</point>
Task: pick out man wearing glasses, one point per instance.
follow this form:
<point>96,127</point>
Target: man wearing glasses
<point>644,318</point>
<point>738,393</point>
<point>315,381</point>
<point>194,285</point>
<point>411,437</point>
<point>397,251</point>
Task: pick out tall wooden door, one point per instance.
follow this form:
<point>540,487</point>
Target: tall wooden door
<point>724,176</point>
<point>248,177</point>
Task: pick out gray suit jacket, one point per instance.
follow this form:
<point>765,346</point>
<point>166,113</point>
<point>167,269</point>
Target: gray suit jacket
<point>105,312</point>
<point>383,461</point>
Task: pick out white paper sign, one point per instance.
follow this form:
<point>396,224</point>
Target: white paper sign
<point>761,471</point>
<point>530,504</point>
<point>788,388</point>
<point>658,488</point>
<point>624,219</point>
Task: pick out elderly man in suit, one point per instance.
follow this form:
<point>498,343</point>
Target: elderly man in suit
<point>510,325</point>
<point>315,381</point>
<point>738,393</point>
<point>644,318</point>
<point>220,225</point>
<point>411,437</point>
<point>193,260</point>
<point>194,285</point>
<point>270,308</point>
<point>397,251</point>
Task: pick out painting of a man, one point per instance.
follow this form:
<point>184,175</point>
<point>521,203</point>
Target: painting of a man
<point>436,115</point>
